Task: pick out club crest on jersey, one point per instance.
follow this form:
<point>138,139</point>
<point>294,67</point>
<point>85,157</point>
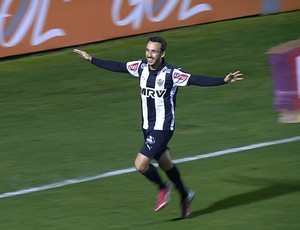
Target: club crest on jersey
<point>180,77</point>
<point>160,82</point>
<point>133,66</point>
<point>149,92</point>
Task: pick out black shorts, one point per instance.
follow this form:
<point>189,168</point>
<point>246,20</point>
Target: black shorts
<point>156,142</point>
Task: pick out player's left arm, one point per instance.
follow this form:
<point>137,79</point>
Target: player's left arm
<point>214,81</point>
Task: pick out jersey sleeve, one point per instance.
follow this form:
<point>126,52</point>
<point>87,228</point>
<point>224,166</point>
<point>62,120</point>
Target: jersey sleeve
<point>133,67</point>
<point>180,78</point>
<point>206,81</point>
<point>110,65</point>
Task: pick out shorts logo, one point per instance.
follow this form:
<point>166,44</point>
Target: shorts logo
<point>133,66</point>
<point>149,141</point>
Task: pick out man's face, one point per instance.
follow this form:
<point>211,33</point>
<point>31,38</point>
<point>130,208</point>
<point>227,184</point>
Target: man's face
<point>154,55</point>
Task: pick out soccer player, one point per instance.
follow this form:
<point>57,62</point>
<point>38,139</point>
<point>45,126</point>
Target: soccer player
<point>159,82</point>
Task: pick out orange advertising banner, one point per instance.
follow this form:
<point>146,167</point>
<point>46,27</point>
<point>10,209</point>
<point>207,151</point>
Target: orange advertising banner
<point>289,5</point>
<point>28,26</point>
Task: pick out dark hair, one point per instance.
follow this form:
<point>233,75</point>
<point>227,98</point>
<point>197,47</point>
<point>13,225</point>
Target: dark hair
<point>160,40</point>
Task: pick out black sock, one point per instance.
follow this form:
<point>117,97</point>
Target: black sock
<point>174,176</point>
<point>152,175</point>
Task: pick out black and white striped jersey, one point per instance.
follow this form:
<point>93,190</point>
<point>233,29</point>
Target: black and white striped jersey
<point>158,89</point>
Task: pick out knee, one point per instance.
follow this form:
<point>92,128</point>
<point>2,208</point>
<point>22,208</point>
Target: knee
<point>166,166</point>
<point>165,162</point>
<point>140,167</point>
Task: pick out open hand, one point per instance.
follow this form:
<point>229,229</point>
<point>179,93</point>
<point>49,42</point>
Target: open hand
<point>83,54</point>
<point>232,77</point>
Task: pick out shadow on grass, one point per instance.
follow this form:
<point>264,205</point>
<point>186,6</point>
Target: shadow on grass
<point>268,192</point>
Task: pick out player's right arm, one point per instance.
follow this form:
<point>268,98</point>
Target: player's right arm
<point>104,64</point>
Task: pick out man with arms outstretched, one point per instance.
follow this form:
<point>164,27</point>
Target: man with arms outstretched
<point>159,83</point>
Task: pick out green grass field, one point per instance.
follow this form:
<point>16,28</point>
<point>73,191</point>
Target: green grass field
<point>62,118</point>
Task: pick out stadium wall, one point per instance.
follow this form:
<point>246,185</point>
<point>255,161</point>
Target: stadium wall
<point>28,26</point>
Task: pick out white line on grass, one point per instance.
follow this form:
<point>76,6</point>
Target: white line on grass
<point>128,170</point>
